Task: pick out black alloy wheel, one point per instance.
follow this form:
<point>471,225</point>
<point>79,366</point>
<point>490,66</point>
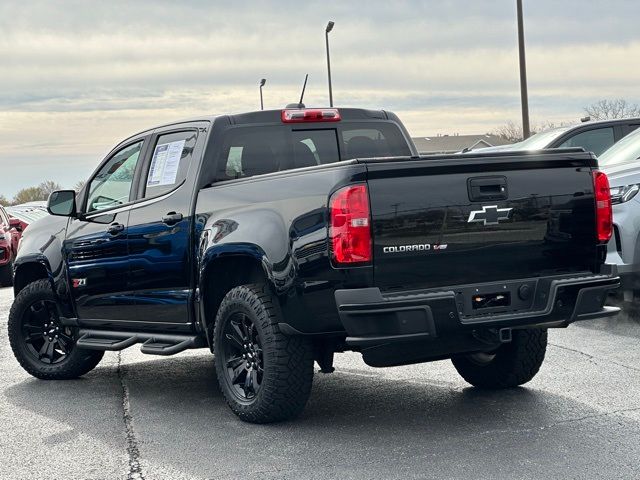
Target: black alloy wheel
<point>264,375</point>
<point>42,345</point>
<point>46,339</point>
<point>242,356</point>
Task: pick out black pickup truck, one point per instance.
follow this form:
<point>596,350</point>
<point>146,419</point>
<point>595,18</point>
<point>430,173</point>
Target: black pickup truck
<point>277,238</point>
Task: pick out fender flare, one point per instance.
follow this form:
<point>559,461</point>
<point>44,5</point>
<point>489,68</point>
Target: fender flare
<point>246,253</point>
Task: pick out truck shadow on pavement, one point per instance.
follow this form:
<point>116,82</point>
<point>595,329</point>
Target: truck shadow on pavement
<point>182,423</point>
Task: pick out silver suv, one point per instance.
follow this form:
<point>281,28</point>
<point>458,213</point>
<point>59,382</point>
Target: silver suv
<point>621,163</point>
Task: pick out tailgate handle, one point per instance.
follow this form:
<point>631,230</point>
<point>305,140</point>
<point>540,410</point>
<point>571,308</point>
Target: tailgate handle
<point>487,188</point>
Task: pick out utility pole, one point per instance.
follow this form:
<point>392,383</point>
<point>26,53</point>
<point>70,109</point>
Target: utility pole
<point>326,38</point>
<point>524,96</point>
<point>262,82</point>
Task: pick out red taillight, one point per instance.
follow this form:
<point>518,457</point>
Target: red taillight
<point>312,115</point>
<point>350,229</point>
<point>604,214</point>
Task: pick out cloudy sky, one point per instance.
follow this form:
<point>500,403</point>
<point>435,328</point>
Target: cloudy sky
<point>77,76</point>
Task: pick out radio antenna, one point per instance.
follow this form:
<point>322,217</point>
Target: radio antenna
<point>304,86</point>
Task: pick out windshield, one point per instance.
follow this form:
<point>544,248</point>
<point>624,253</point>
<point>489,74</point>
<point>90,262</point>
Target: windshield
<point>540,140</point>
<point>625,151</point>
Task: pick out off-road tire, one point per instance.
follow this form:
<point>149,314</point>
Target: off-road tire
<point>513,363</point>
<point>77,362</point>
<point>287,361</point>
<point>6,275</point>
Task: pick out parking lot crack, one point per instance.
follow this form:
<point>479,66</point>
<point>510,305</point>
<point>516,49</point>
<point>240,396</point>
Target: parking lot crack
<point>133,452</point>
<point>594,358</point>
<point>597,415</point>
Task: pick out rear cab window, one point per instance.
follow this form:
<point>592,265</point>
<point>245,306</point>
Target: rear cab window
<point>258,150</point>
<point>381,140</point>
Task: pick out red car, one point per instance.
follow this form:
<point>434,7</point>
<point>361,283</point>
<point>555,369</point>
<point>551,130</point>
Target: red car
<point>10,232</point>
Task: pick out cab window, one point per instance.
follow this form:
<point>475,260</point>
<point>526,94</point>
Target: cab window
<point>381,140</point>
<point>314,147</point>
<point>170,162</point>
<point>112,184</point>
<point>258,150</point>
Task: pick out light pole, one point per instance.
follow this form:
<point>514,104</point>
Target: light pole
<point>262,82</point>
<point>326,37</point>
<point>524,96</point>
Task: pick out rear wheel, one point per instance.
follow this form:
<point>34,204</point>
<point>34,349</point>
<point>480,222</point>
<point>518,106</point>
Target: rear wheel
<point>42,345</point>
<point>264,375</point>
<point>512,364</point>
<point>6,274</point>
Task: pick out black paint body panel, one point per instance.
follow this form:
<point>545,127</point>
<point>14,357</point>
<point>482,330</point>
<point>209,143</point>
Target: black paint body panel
<point>549,229</point>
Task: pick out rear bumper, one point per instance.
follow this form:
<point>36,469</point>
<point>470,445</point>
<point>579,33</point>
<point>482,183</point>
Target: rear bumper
<point>372,318</point>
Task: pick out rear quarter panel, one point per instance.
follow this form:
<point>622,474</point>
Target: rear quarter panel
<point>281,221</point>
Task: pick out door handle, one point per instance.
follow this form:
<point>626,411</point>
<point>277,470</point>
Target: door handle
<point>115,228</point>
<point>487,188</point>
<point>172,218</point>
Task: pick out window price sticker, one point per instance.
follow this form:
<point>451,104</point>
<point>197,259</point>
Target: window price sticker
<point>165,163</point>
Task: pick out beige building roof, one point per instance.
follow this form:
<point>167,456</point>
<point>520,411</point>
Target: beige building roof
<point>456,143</point>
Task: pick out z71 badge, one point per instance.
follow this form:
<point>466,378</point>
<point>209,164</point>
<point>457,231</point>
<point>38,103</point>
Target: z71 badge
<point>419,247</point>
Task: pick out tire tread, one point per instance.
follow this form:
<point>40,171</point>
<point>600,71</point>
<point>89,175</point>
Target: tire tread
<point>79,361</point>
<point>515,364</point>
<point>287,385</point>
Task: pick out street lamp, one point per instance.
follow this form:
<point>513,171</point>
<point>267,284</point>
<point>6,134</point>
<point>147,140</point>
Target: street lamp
<point>262,82</point>
<point>524,96</point>
<point>326,37</point>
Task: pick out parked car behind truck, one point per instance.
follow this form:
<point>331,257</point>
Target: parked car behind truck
<point>621,162</point>
<point>594,137</point>
<point>278,238</point>
<point>10,230</point>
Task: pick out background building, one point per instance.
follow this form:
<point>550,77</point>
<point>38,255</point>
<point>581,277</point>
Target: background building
<point>456,143</point>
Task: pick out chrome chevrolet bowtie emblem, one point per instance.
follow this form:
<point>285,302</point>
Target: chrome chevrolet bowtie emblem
<point>489,215</point>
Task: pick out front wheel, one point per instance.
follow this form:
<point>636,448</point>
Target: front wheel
<point>512,364</point>
<point>264,375</point>
<point>42,345</point>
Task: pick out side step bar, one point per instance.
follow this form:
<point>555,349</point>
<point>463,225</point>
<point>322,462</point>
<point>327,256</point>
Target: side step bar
<point>152,343</point>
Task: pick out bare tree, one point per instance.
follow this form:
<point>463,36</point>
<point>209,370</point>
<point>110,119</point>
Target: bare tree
<point>510,131</point>
<point>610,109</point>
<point>29,194</point>
<point>48,187</point>
<point>3,201</point>
<point>35,194</point>
<point>79,184</point>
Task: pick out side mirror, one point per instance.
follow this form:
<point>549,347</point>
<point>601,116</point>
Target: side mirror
<point>62,203</point>
<point>15,223</point>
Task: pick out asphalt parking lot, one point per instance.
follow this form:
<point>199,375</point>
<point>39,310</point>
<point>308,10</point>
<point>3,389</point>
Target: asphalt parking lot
<point>137,416</point>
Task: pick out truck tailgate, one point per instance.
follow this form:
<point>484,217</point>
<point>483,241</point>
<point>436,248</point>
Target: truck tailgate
<point>466,219</point>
